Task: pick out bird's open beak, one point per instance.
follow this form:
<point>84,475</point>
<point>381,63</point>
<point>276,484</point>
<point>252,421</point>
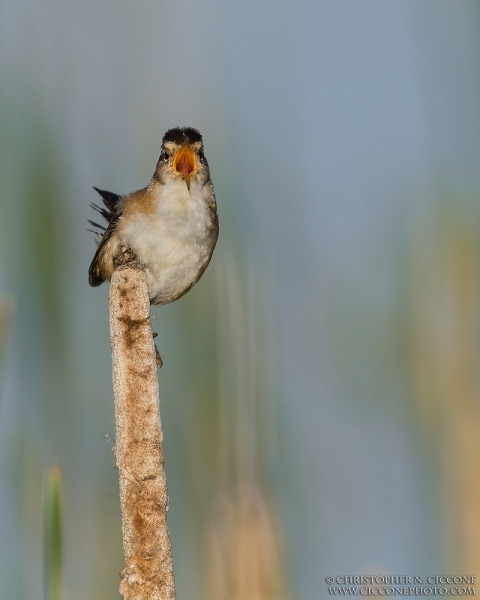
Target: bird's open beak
<point>185,163</point>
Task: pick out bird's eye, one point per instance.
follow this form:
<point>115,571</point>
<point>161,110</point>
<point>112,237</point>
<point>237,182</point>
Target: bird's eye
<point>201,154</point>
<point>164,155</point>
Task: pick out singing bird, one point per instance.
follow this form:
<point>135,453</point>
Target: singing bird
<point>169,227</point>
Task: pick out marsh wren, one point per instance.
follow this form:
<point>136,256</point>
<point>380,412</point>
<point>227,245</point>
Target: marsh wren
<point>170,227</point>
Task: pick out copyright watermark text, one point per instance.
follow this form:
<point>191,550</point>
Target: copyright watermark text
<point>401,585</point>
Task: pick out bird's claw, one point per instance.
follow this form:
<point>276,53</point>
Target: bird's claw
<point>158,358</point>
<point>125,256</point>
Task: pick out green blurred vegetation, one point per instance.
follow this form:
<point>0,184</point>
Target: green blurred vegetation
<point>53,561</point>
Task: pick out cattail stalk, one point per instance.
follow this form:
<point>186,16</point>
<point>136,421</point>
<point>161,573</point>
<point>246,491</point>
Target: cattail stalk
<point>148,571</point>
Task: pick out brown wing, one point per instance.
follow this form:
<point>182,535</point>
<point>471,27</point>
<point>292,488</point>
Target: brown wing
<point>100,269</point>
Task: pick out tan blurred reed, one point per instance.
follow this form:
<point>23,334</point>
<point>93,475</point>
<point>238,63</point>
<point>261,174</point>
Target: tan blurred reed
<point>245,550</point>
<point>445,306</point>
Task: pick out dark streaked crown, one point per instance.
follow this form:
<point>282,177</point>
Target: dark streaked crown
<point>178,135</point>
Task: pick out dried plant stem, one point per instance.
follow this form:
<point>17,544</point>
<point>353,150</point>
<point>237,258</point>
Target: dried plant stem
<point>148,571</point>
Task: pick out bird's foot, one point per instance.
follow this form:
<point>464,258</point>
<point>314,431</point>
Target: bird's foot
<point>125,256</point>
<point>158,358</point>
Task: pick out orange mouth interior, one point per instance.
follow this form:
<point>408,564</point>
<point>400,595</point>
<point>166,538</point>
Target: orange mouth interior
<point>185,163</point>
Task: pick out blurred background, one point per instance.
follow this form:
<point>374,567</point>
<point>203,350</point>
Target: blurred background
<point>320,387</point>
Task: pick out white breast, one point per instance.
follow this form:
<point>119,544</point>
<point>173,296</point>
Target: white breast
<point>174,243</point>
